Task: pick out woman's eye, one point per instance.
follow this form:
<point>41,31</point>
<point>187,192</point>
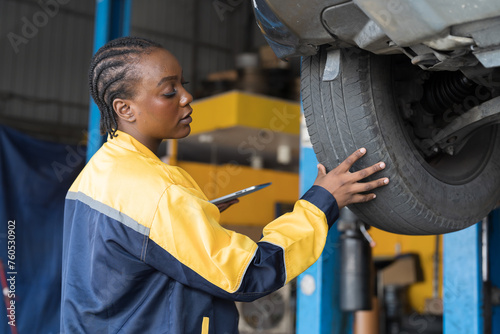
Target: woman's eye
<point>170,94</point>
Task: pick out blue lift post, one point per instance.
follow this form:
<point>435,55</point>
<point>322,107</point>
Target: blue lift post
<point>318,293</point>
<point>462,282</point>
<point>494,264</point>
<point>112,20</point>
<point>464,274</point>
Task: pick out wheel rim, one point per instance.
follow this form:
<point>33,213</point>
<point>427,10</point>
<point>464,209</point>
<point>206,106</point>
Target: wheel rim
<point>455,169</point>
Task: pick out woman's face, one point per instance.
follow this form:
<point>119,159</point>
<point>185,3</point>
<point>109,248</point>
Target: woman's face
<point>161,103</point>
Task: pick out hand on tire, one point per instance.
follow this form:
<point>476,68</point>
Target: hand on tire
<point>344,185</point>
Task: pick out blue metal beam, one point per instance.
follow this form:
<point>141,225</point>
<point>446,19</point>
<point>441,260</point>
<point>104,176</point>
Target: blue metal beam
<point>463,282</point>
<point>465,309</point>
<point>494,264</point>
<point>318,293</point>
<point>120,24</point>
<point>112,20</point>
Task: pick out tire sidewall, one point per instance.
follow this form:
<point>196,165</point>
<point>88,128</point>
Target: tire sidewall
<point>415,202</point>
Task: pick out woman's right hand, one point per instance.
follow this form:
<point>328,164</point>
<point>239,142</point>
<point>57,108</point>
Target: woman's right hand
<point>345,186</point>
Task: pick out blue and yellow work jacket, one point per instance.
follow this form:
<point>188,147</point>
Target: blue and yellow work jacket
<point>144,252</point>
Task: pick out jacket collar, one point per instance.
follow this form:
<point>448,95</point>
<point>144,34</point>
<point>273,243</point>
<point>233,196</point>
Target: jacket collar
<point>126,141</point>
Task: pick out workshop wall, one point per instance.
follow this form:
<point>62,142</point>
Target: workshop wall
<point>47,45</point>
<point>44,60</point>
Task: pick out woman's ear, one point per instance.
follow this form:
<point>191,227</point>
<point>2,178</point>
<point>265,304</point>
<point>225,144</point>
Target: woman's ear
<point>123,110</point>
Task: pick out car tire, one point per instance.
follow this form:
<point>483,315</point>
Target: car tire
<point>359,108</point>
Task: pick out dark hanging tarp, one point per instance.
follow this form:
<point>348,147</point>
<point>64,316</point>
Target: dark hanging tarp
<point>34,178</point>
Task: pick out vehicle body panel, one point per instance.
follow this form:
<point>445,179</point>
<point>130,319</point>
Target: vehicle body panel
<point>299,28</point>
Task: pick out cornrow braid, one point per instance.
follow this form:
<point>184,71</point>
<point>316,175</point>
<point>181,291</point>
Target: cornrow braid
<point>112,74</point>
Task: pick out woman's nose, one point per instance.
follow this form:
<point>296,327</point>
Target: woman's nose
<point>186,98</point>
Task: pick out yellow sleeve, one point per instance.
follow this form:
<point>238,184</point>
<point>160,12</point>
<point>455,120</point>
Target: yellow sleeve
<point>187,243</point>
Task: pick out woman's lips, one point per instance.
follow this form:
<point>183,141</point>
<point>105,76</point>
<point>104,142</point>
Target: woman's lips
<point>186,120</point>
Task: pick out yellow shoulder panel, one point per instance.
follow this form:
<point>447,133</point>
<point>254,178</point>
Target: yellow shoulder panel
<point>128,181</point>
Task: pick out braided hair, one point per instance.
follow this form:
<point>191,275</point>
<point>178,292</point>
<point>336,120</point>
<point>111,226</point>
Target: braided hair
<point>113,74</point>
